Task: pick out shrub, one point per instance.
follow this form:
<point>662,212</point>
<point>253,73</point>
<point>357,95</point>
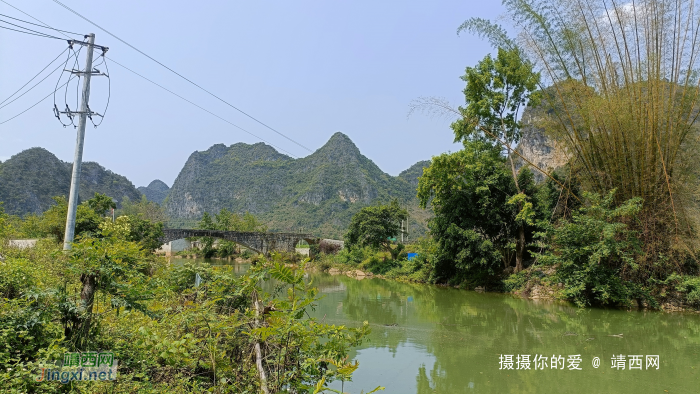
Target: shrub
<point>594,249</point>
<point>17,277</point>
<point>183,276</point>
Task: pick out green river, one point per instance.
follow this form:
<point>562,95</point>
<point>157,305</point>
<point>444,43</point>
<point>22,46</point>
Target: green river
<point>430,339</point>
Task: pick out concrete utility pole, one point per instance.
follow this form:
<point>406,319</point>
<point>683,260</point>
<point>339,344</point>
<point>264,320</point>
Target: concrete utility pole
<point>78,159</point>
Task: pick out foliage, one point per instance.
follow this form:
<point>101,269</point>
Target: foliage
<point>5,226</point>
<point>31,178</point>
<point>373,226</point>
<point>495,92</point>
<point>596,252</point>
<point>53,221</point>
<point>144,209</point>
<point>112,266</point>
<point>101,204</point>
<point>688,286</point>
<point>626,122</point>
<point>135,229</point>
<point>473,225</point>
<point>107,293</point>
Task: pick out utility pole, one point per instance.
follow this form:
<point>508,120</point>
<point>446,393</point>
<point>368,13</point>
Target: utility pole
<point>78,159</point>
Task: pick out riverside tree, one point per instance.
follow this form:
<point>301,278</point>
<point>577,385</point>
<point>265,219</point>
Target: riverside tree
<point>374,226</point>
<point>622,102</point>
<point>476,223</point>
<point>495,93</point>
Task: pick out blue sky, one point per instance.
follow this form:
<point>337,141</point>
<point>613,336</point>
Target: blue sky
<point>306,68</point>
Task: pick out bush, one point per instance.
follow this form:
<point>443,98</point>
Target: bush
<point>183,276</point>
<point>687,286</point>
<point>592,250</point>
<point>17,277</point>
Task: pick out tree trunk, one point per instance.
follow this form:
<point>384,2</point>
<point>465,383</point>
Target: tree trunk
<point>258,352</point>
<point>87,299</point>
<point>520,249</point>
<point>520,245</point>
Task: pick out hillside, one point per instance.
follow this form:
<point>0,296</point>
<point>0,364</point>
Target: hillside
<point>318,193</point>
<point>156,191</point>
<point>30,178</point>
<point>412,173</point>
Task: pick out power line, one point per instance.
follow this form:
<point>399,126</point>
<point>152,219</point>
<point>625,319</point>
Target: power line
<point>45,25</point>
<point>179,75</point>
<point>109,90</point>
<point>28,82</point>
<point>145,78</point>
<point>38,102</point>
<point>35,24</point>
<point>28,29</point>
<point>31,34</point>
<point>199,106</point>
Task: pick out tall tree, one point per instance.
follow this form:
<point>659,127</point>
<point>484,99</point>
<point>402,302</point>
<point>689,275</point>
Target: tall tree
<point>374,226</point>
<point>473,224</point>
<point>623,103</point>
<point>495,93</point>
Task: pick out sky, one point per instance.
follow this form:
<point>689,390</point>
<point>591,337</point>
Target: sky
<point>307,69</point>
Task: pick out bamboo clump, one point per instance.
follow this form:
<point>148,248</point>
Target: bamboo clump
<point>621,89</point>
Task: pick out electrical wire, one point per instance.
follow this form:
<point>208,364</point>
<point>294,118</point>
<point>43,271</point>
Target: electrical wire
<point>28,29</point>
<point>31,34</point>
<point>178,74</point>
<point>57,114</point>
<point>37,103</point>
<point>143,77</point>
<point>200,107</point>
<point>35,24</point>
<point>109,90</point>
<point>30,89</point>
<point>28,82</point>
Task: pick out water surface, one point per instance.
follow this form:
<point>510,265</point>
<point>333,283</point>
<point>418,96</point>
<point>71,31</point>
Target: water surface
<point>429,339</point>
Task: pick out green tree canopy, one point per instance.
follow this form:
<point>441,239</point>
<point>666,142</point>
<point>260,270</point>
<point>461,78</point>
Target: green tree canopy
<point>497,89</point>
<point>473,223</point>
<point>374,225</point>
<point>144,209</point>
<point>53,221</point>
<point>101,204</point>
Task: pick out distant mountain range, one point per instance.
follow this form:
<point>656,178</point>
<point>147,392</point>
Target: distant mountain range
<point>30,178</point>
<point>156,191</point>
<point>318,193</point>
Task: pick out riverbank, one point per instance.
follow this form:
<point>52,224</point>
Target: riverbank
<point>534,283</point>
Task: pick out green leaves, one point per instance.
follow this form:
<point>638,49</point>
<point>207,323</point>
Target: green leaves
<point>594,249</point>
<point>473,223</point>
<point>527,213</point>
<point>496,90</point>
<point>374,225</point>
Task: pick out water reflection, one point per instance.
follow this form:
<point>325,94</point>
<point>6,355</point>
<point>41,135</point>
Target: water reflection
<point>428,339</point>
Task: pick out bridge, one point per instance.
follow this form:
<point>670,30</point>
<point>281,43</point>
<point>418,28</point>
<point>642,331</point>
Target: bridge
<point>259,242</point>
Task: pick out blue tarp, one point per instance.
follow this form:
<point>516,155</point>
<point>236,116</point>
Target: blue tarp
<point>412,256</point>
